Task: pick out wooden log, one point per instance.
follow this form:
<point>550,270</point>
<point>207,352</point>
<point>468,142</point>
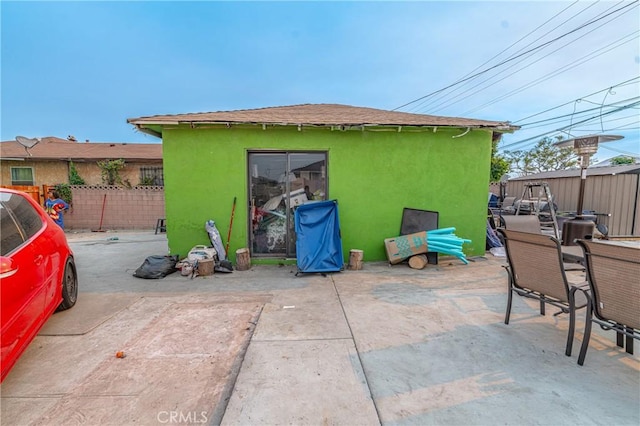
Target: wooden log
<point>205,267</point>
<point>243,259</point>
<point>419,261</point>
<point>355,259</point>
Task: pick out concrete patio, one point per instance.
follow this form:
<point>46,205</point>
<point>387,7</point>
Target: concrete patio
<point>384,345</point>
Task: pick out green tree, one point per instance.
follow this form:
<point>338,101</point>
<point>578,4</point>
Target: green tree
<point>74,177</point>
<point>64,190</point>
<point>543,157</point>
<point>110,170</point>
<point>499,164</point>
<point>622,159</point>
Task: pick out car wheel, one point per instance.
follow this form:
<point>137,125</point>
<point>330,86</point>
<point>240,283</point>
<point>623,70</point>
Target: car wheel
<point>69,287</point>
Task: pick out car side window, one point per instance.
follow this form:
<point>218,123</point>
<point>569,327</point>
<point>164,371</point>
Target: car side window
<point>10,236</point>
<point>28,217</point>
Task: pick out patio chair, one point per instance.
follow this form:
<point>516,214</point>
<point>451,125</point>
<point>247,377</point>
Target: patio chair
<point>614,296</point>
<point>524,223</point>
<point>535,270</point>
<point>531,224</point>
<point>507,205</point>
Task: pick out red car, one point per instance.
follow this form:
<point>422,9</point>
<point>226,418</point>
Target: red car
<point>37,273</point>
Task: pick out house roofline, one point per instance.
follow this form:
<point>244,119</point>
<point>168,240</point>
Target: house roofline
<point>142,126</point>
<point>334,116</point>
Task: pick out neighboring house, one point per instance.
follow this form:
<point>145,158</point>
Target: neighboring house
<point>374,162</point>
<point>613,192</point>
<point>48,162</point>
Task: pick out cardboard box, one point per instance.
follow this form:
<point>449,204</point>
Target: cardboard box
<point>400,248</point>
<point>297,198</point>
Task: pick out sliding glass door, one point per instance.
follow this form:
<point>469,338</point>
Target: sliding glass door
<point>278,183</point>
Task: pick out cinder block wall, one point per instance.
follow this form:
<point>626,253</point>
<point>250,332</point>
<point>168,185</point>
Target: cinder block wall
<point>138,208</point>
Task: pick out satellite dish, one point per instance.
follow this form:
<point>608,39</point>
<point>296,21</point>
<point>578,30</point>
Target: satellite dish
<point>505,177</point>
<point>27,142</point>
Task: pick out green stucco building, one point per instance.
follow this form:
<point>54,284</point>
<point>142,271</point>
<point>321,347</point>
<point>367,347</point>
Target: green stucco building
<point>374,162</point>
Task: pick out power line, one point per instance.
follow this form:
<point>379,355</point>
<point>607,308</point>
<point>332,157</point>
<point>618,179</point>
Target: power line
<point>577,114</point>
<point>624,126</point>
<point>562,129</point>
<point>630,126</point>
<point>517,56</point>
<point>622,84</point>
<point>619,151</point>
<point>590,56</point>
<point>558,120</point>
<point>580,112</point>
<point>509,47</point>
<point>447,102</point>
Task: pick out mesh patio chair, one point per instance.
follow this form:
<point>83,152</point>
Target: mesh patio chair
<point>531,224</point>
<point>524,223</point>
<point>507,205</point>
<point>613,274</point>
<point>535,270</point>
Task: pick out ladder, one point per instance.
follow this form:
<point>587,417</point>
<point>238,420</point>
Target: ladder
<point>533,195</point>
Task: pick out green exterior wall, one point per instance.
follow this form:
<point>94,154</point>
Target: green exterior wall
<point>372,174</point>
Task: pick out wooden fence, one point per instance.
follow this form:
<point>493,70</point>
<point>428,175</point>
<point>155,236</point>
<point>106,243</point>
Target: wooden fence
<point>35,192</point>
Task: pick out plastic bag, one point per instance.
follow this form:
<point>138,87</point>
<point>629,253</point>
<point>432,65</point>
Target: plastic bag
<point>493,240</point>
<point>155,267</point>
<point>200,252</point>
<point>498,251</point>
<point>216,239</point>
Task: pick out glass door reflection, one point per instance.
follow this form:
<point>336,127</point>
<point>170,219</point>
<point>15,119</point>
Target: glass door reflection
<point>279,182</point>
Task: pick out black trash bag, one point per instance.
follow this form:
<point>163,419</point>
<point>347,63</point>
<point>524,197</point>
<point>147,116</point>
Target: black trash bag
<point>223,266</point>
<point>155,267</point>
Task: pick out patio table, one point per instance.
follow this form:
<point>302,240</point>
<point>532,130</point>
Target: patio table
<point>575,254</point>
<point>572,254</point>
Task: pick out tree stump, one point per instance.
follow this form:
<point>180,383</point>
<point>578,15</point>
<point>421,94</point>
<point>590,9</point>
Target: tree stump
<point>419,261</point>
<point>205,267</point>
<point>355,259</point>
<point>243,259</point>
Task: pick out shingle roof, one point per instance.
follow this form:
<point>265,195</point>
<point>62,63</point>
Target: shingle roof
<point>52,148</point>
<point>592,171</point>
<point>321,115</point>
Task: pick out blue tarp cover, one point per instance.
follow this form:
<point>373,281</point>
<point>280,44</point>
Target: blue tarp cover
<point>318,240</point>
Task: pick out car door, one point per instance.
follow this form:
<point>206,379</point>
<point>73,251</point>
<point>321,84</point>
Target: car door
<point>22,285</point>
<point>46,251</point>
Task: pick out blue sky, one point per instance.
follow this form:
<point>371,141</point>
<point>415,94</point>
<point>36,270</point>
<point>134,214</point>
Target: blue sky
<point>83,68</point>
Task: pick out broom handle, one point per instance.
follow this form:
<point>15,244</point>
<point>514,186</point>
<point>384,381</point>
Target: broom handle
<point>104,200</point>
<point>233,211</point>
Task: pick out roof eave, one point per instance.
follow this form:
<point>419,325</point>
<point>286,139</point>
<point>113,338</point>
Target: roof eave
<point>141,125</point>
<point>147,130</point>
